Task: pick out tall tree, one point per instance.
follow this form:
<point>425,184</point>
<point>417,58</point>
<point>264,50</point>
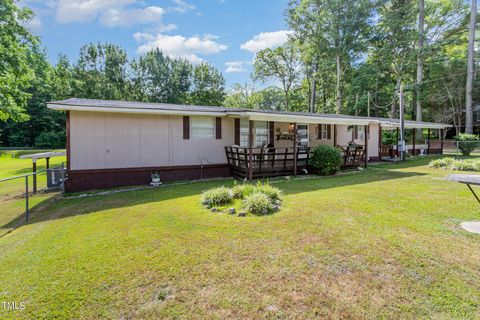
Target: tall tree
<point>100,72</point>
<point>208,86</point>
<point>421,27</point>
<point>282,64</point>
<point>159,78</point>
<point>338,28</point>
<point>16,73</point>
<point>470,68</point>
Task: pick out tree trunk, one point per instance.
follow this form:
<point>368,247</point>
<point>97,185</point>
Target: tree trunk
<point>470,71</point>
<point>421,23</point>
<point>314,89</point>
<point>339,81</point>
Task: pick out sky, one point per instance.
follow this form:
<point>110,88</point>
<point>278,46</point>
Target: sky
<point>226,33</point>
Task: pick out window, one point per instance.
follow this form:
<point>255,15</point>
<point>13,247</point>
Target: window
<point>260,133</point>
<point>243,133</point>
<point>361,132</point>
<point>202,127</point>
<point>302,135</point>
<point>324,131</point>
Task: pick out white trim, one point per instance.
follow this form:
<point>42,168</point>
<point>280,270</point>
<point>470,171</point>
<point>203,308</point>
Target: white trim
<point>134,110</point>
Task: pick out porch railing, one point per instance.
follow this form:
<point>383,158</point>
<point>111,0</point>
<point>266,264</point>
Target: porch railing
<point>266,162</point>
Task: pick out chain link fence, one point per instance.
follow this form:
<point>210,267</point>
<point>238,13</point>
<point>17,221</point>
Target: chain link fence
<point>19,195</point>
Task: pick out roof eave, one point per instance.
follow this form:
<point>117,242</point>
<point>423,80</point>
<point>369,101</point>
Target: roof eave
<point>65,107</point>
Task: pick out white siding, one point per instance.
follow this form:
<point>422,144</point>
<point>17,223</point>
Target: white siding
<point>110,140</point>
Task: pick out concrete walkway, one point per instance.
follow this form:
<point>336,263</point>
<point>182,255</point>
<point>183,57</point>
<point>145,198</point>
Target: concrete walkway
<point>471,226</point>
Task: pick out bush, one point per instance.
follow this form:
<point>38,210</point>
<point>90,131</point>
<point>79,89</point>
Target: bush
<point>441,163</point>
<point>465,165</point>
<point>389,137</point>
<point>326,160</point>
<point>258,203</point>
<point>467,143</point>
<point>240,191</point>
<point>453,164</point>
<point>272,193</point>
<point>216,196</point>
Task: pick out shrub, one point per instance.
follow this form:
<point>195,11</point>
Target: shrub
<point>467,143</point>
<point>272,193</point>
<point>258,203</point>
<point>326,160</point>
<point>240,191</point>
<point>389,137</point>
<point>441,163</point>
<point>216,196</point>
<point>465,165</point>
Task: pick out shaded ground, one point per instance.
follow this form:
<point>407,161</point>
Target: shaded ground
<point>383,243</point>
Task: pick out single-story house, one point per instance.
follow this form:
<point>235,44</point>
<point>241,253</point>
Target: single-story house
<point>120,143</point>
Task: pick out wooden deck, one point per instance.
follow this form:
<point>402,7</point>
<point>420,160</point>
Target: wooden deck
<point>266,162</point>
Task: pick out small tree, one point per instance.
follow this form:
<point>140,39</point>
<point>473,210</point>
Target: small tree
<point>467,143</point>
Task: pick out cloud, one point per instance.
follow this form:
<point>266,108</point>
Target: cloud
<point>266,40</point>
<point>182,6</point>
<point>127,18</point>
<point>179,46</point>
<point>111,13</point>
<point>236,66</point>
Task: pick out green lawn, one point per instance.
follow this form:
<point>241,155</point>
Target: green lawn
<point>11,165</point>
<point>12,202</point>
<point>382,243</point>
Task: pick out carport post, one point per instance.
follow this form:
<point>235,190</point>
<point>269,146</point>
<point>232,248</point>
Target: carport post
<point>414,139</point>
<point>367,132</point>
<point>441,141</point>
<point>295,149</point>
<point>398,132</point>
<point>250,150</point>
<point>428,141</point>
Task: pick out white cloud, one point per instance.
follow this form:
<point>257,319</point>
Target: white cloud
<point>266,40</point>
<point>236,66</point>
<point>123,17</point>
<point>111,13</point>
<point>182,6</point>
<point>179,46</point>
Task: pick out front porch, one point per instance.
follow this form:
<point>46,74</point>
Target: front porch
<point>273,148</point>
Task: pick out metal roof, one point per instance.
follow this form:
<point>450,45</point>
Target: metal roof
<point>95,105</point>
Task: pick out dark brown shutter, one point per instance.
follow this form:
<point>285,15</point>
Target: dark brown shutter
<point>218,128</point>
<point>237,131</point>
<point>186,127</point>
<point>319,133</point>
<point>355,132</point>
<point>271,132</point>
<point>329,131</point>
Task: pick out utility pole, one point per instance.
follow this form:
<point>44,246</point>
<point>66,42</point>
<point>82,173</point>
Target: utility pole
<point>402,124</point>
<point>470,69</point>
<point>368,105</point>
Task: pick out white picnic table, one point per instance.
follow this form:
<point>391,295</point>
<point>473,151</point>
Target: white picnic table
<point>468,179</point>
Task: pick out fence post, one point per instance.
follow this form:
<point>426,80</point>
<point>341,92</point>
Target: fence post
<point>63,179</point>
<point>27,213</point>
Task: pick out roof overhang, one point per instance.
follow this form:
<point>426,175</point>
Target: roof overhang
<point>65,107</point>
<point>267,116</point>
<point>414,125</point>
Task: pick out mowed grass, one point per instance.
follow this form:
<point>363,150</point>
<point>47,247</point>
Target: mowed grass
<point>12,202</point>
<point>382,243</point>
<point>11,165</point>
